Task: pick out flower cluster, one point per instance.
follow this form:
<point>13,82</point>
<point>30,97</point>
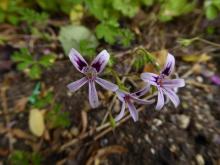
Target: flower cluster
<point>165,86</point>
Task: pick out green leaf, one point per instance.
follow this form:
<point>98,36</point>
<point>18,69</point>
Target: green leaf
<point>18,158</point>
<point>35,71</point>
<point>108,31</point>
<point>70,37</point>
<point>23,65</point>
<point>173,8</point>
<point>43,101</point>
<point>57,118</point>
<point>86,48</point>
<point>126,37</point>
<point>47,60</point>
<point>22,55</point>
<point>211,12</point>
<point>127,7</point>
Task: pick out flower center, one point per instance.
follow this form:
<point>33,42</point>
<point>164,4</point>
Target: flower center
<point>160,79</point>
<point>127,98</point>
<point>90,72</point>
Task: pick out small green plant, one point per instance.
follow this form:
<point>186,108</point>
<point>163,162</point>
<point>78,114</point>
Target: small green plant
<point>30,65</point>
<point>19,157</point>
<point>56,118</point>
<point>143,57</point>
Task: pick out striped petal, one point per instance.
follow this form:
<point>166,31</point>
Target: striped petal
<point>74,86</point>
<point>150,78</point>
<point>100,61</point>
<point>142,91</point>
<point>172,95</point>
<point>174,83</point>
<point>160,99</point>
<point>93,97</point>
<point>106,84</point>
<point>122,112</point>
<point>77,60</point>
<point>133,111</point>
<point>142,101</point>
<point>169,66</point>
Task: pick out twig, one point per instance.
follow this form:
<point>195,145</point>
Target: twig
<point>105,128</point>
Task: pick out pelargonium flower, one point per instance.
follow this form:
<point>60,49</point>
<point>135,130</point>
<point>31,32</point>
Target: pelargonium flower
<point>128,100</point>
<point>164,85</point>
<point>91,74</point>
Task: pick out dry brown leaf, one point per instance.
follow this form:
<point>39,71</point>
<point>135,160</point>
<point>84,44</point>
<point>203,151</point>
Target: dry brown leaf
<point>21,104</point>
<point>36,122</point>
<point>196,58</point>
<point>160,57</point>
<point>20,134</point>
<point>84,121</point>
<point>4,152</point>
<point>103,152</point>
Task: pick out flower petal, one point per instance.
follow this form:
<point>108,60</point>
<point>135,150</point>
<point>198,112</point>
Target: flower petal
<point>174,83</point>
<point>142,101</point>
<point>93,97</point>
<point>169,66</point>
<point>150,78</point>
<point>121,95</point>
<point>160,99</point>
<point>133,111</point>
<point>106,84</point>
<point>142,91</point>
<point>77,60</point>
<point>100,61</point>
<point>122,112</point>
<point>172,95</point>
<point>74,86</point>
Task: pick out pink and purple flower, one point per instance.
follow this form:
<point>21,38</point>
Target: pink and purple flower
<point>91,73</point>
<point>128,100</point>
<point>165,86</point>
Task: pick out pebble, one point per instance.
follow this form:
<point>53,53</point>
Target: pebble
<point>69,94</point>
<point>157,122</point>
<point>147,138</point>
<point>152,150</point>
<point>74,131</point>
<point>199,79</point>
<point>200,160</point>
<point>183,121</point>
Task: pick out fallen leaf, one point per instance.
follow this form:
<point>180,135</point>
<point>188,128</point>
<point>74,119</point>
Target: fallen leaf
<point>4,152</point>
<point>20,134</point>
<point>36,122</point>
<point>160,57</point>
<point>21,104</point>
<point>196,58</point>
<point>103,152</point>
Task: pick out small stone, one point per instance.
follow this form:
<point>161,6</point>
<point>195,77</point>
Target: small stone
<point>183,121</point>
<point>147,138</point>
<point>74,131</point>
<point>157,122</point>
<point>104,142</point>
<point>200,160</point>
<point>69,94</point>
<point>199,79</point>
<point>173,148</point>
<point>152,150</point>
<point>117,107</point>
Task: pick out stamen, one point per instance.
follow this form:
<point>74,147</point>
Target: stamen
<point>90,72</point>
